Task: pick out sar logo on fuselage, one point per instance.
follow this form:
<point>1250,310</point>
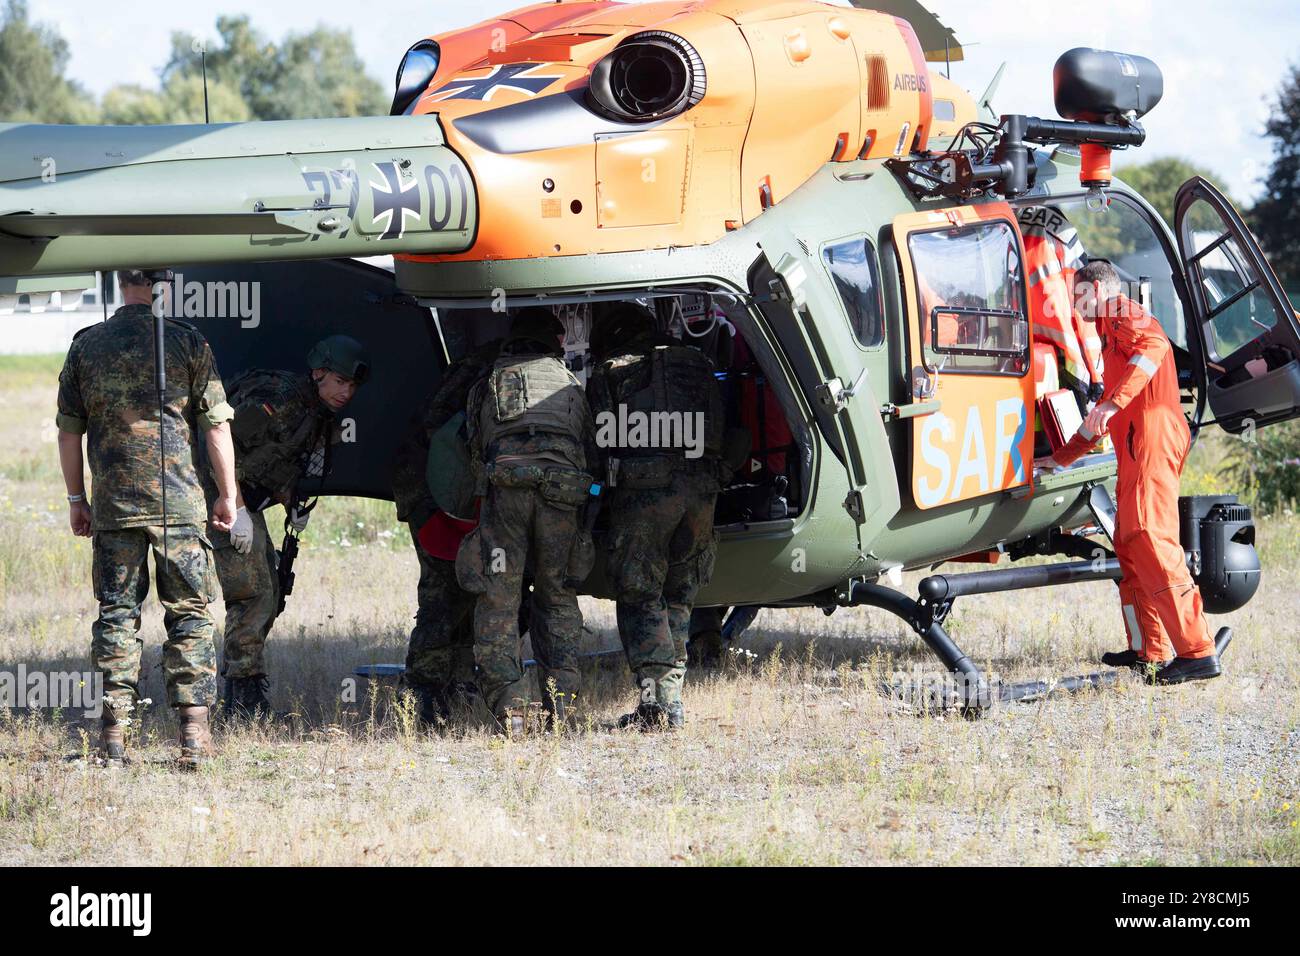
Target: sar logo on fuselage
<point>509,76</point>
<point>394,199</point>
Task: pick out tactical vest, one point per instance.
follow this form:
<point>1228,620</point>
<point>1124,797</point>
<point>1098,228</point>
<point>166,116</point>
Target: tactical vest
<point>273,466</point>
<point>531,395</point>
<point>680,381</point>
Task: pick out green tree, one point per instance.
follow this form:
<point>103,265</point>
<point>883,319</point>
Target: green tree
<point>1276,217</point>
<point>181,101</point>
<point>33,88</point>
<point>316,74</point>
<point>1158,181</point>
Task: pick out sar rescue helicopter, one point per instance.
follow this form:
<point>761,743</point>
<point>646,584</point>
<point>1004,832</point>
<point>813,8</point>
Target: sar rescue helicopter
<point>788,184</point>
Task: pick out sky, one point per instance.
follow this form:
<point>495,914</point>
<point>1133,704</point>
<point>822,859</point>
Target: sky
<point>1222,61</point>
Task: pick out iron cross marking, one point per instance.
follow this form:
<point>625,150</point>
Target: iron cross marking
<point>394,200</point>
<point>509,76</point>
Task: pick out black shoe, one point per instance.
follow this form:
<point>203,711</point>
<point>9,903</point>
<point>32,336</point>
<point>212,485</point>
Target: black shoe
<point>246,698</point>
<point>1120,658</point>
<point>1182,669</point>
<point>1130,660</point>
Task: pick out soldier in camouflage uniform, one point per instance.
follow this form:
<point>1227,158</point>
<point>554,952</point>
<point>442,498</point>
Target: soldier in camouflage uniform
<point>440,653</point>
<point>108,392</point>
<point>284,425</point>
<point>661,547</point>
<point>531,437</point>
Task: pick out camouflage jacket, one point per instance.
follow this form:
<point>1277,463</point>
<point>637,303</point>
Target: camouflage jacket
<point>108,392</point>
<point>282,431</point>
<point>410,462</point>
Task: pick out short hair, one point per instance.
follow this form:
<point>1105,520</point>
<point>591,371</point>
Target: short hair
<point>1101,272</point>
<point>143,276</point>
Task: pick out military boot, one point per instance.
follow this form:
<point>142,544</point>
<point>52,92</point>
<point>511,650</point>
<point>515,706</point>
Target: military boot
<point>704,650</point>
<point>246,697</point>
<point>112,741</point>
<point>434,706</point>
<point>559,715</point>
<point>511,725</point>
<point>195,737</point>
<point>646,717</point>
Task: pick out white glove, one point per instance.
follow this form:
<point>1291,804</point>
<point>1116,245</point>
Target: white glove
<point>241,532</point>
<point>298,518</point>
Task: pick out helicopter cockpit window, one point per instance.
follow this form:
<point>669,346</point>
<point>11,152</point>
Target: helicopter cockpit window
<point>852,265</point>
<point>970,283</point>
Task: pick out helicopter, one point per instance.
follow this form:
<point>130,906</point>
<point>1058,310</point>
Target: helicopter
<point>786,184</point>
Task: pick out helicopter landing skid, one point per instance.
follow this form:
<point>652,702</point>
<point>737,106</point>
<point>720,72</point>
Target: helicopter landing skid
<point>973,694</point>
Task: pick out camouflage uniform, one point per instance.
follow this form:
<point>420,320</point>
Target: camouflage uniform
<point>661,547</point>
<point>281,434</point>
<point>441,647</point>
<point>107,391</point>
<point>535,481</point>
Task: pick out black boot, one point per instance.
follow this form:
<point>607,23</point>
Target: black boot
<point>246,698</point>
<point>651,717</point>
<point>704,650</point>
<point>1182,669</point>
<point>434,707</point>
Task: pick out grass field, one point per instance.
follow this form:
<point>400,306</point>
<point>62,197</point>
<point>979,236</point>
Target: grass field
<point>790,756</point>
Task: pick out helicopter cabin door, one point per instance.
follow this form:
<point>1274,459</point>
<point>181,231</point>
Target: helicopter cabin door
<point>844,398</point>
<point>968,353</point>
<point>1247,323</point>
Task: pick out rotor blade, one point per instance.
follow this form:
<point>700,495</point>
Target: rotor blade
<point>938,41</point>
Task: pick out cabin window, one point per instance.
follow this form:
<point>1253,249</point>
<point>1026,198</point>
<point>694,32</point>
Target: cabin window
<point>852,265</point>
<point>945,111</point>
<point>1241,308</point>
<point>1123,235</point>
<point>971,294</point>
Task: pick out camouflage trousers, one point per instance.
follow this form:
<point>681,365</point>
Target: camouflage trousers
<point>186,585</point>
<point>661,553</point>
<point>251,591</point>
<point>520,529</point>
<point>441,647</point>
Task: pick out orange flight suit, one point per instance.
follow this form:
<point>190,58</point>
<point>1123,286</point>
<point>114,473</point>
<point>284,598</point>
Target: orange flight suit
<point>1162,605</point>
<point>1053,253</point>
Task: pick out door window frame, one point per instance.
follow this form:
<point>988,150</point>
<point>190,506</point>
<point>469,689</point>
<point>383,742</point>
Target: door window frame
<point>929,324</point>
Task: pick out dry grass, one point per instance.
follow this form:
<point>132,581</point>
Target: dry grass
<point>790,756</point>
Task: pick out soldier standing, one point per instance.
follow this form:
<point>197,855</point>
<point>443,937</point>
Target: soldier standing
<point>531,437</point>
<point>440,653</point>
<point>147,496</point>
<point>661,549</point>
<point>285,423</point>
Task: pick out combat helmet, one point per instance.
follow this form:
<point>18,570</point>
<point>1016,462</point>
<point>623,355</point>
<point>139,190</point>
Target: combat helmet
<point>343,355</point>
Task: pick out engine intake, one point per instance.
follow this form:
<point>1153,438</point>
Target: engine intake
<point>649,76</point>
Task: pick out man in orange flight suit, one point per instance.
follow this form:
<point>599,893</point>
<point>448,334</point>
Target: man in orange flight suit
<point>1140,407</point>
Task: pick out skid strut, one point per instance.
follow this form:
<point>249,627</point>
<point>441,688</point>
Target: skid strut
<point>938,591</point>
